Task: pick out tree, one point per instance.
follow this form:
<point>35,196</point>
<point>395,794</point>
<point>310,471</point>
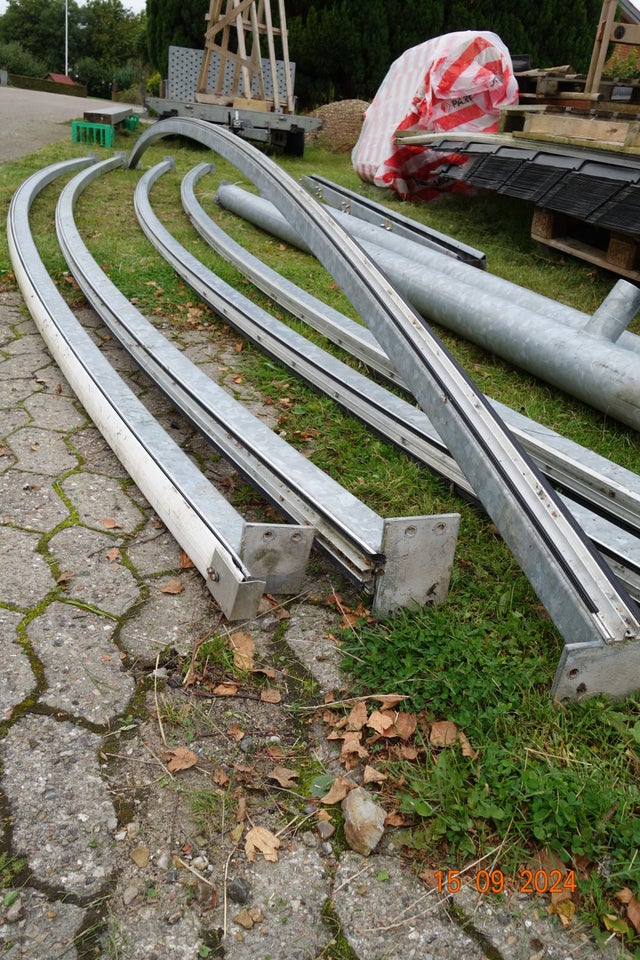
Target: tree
<point>180,23</point>
<point>39,27</point>
<point>112,35</point>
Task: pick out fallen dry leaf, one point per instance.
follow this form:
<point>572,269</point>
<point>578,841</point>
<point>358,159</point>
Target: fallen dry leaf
<point>113,554</point>
<point>270,695</point>
<point>627,897</point>
<point>220,777</point>
<point>285,777</point>
<point>389,700</point>
<point>371,775</point>
<point>261,840</point>
<point>109,523</point>
<point>243,650</point>
<point>380,721</point>
<point>226,690</point>
<point>236,731</point>
<point>186,563</point>
<point>180,758</point>
<point>339,789</point>
<point>358,716</point>
<point>352,749</point>
<point>443,733</point>
<point>404,724</point>
<point>172,586</point>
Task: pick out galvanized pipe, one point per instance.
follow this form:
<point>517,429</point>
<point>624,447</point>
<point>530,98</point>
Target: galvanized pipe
<point>601,374</point>
<point>374,237</point>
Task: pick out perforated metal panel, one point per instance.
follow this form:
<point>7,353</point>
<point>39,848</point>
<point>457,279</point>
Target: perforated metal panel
<point>184,69</point>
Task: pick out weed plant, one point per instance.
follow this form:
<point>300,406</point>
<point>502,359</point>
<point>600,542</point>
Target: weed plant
<point>563,777</point>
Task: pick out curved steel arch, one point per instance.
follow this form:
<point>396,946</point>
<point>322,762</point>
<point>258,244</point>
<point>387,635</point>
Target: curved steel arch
<point>596,617</point>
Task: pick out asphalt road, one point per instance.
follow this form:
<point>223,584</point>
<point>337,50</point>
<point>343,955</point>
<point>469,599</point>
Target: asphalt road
<point>30,119</point>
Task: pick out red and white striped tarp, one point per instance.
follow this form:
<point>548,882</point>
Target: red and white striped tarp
<point>455,82</point>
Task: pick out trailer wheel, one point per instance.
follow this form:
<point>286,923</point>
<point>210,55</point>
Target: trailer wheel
<point>294,146</point>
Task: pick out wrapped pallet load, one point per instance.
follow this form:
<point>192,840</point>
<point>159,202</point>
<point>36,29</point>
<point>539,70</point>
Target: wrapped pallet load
<point>458,81</point>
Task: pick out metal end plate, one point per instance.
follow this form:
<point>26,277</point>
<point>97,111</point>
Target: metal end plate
<point>588,669</point>
<point>419,553</point>
<point>277,553</point>
<point>238,598</point>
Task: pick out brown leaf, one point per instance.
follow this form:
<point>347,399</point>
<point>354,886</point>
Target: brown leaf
<point>404,724</point>
<point>270,695</point>
<point>220,777</point>
<point>186,563</point>
<point>358,716</point>
<point>407,752</point>
<point>226,690</point>
<point>109,523</point>
<point>236,731</point>
<point>389,700</point>
<point>627,897</point>
<point>243,649</point>
<point>565,910</point>
<point>180,758</point>
<point>284,776</point>
<point>443,733</point>
<point>261,840</point>
<point>467,749</point>
<point>394,820</point>
<point>113,554</point>
<point>371,775</point>
<point>352,749</point>
<point>172,586</point>
<point>380,721</point>
<point>339,789</point>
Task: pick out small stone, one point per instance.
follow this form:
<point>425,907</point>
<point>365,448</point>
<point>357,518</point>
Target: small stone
<point>200,863</point>
<point>129,895</point>
<point>140,856</point>
<point>363,821</point>
<point>15,911</point>
<point>325,829</point>
<point>244,919</point>
<point>238,890</point>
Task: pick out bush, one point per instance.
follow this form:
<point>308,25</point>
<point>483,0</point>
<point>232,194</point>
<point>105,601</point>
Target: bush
<point>15,59</point>
<point>95,77</point>
<point>153,85</point>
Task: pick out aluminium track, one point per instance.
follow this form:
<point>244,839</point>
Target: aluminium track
<point>598,483</point>
<point>401,560</point>
<point>598,620</point>
<point>188,504</point>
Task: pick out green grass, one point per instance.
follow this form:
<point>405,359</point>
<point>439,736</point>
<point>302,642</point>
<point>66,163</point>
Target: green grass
<point>561,776</point>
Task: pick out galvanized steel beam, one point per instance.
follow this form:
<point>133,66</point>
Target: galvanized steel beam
<point>401,560</point>
<point>185,501</point>
<point>598,620</point>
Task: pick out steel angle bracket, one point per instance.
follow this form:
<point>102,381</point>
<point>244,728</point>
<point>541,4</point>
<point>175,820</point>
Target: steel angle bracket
<point>419,554</point>
<point>237,598</point>
<point>587,669</point>
<point>578,589</point>
<point>277,553</point>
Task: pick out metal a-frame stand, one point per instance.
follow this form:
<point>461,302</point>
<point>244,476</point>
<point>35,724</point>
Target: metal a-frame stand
<point>235,33</point>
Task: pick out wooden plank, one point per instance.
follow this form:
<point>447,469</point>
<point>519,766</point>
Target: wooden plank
<point>112,115</point>
<point>554,230</point>
<point>576,128</point>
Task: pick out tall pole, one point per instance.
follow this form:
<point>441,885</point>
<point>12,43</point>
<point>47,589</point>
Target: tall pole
<point>66,38</point>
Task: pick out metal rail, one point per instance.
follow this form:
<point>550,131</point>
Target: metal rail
<point>187,503</point>
<point>602,485</point>
<point>397,420</point>
<point>401,560</point>
<point>597,618</point>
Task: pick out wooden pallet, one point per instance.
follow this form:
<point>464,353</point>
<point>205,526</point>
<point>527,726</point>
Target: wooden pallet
<point>602,130</point>
<point>608,249</point>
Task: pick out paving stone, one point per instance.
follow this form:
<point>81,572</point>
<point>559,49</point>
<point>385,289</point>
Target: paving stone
<point>290,895</point>
<point>96,454</point>
<point>82,665</point>
<point>45,929</point>
<point>52,411</point>
<point>41,451</point>
<point>13,419</point>
<point>26,577</point>
<point>519,927</point>
<point>98,498</point>
<point>59,804</point>
<point>95,578</point>
<point>31,344</point>
<point>27,364</point>
<point>153,551</point>
<point>166,620</point>
<point>142,934</point>
<point>28,500</point>
<point>386,913</point>
<point>17,680</point>
<point>13,391</point>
